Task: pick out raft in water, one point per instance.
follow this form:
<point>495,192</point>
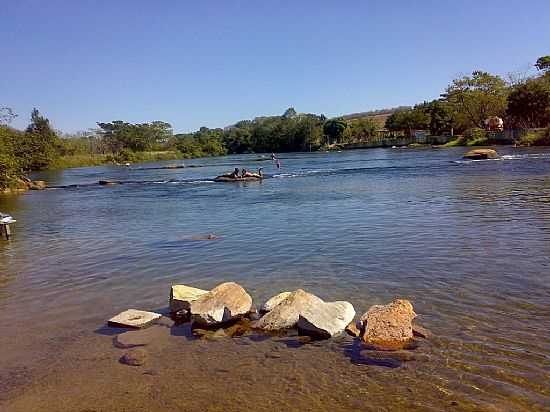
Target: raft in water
<point>237,179</point>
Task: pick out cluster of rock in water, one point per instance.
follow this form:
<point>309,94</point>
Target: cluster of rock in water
<point>383,327</point>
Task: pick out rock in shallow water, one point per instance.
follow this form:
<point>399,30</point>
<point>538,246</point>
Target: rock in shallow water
<point>225,302</point>
<point>134,357</point>
<point>389,327</point>
<point>133,318</point>
<point>181,297</point>
<point>140,337</point>
<point>326,319</point>
<point>274,301</point>
<point>286,314</point>
<point>480,154</point>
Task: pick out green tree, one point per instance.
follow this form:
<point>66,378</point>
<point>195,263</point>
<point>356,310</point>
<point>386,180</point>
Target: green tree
<point>10,162</point>
<point>477,97</point>
<point>39,145</point>
<point>529,104</point>
<point>334,130</point>
<point>120,135</point>
<point>409,120</point>
<point>543,64</point>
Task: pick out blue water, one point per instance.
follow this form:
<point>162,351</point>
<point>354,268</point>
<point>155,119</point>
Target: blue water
<point>468,242</point>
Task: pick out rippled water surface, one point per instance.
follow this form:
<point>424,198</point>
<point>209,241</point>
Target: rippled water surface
<point>468,242</point>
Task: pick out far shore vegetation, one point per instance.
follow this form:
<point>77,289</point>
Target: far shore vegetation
<point>523,102</point>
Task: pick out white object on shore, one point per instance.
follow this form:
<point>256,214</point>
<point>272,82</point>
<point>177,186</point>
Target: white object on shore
<point>5,222</point>
<point>133,318</point>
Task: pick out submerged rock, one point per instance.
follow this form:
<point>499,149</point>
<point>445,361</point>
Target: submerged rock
<point>181,297</point>
<point>389,327</point>
<point>421,332</point>
<point>134,357</point>
<point>326,319</point>
<point>133,318</point>
<point>479,154</point>
<point>286,314</point>
<point>141,337</point>
<point>107,182</point>
<point>210,236</point>
<point>225,302</point>
<point>274,301</point>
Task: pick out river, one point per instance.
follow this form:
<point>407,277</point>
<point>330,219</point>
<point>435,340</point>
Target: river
<point>467,242</point>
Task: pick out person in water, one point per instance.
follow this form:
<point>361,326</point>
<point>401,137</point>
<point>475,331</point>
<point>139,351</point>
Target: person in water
<point>235,173</point>
<point>258,175</point>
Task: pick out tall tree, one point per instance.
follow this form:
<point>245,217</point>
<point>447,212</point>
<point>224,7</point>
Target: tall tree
<point>478,97</point>
<point>529,104</point>
<point>334,129</point>
<point>40,144</point>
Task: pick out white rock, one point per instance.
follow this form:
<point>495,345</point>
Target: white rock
<point>181,297</point>
<point>326,319</point>
<point>134,318</point>
<point>285,315</point>
<point>274,301</point>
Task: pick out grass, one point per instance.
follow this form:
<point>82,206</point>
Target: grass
<point>83,160</point>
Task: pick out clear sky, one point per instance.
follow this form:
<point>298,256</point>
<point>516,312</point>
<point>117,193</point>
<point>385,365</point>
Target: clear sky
<point>211,63</point>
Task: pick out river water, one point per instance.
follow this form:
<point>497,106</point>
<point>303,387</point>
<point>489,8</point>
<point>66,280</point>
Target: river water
<point>467,242</point>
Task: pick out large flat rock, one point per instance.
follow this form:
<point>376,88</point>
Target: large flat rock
<point>133,318</point>
<point>225,302</point>
<point>389,327</point>
<point>326,319</point>
<point>286,314</point>
<point>181,297</point>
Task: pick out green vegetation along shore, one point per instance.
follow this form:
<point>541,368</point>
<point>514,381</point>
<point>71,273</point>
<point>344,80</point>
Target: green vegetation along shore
<point>462,111</point>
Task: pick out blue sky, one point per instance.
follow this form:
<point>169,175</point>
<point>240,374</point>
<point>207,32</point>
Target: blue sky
<point>211,63</point>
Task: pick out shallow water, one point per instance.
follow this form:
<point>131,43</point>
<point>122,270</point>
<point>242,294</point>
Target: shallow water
<point>468,242</point>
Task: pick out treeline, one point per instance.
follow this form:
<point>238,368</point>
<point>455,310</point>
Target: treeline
<point>469,101</point>
<point>462,110</point>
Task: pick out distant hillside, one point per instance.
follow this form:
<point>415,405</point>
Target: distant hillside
<point>378,115</point>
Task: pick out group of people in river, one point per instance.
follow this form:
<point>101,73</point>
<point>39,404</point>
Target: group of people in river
<point>243,173</point>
